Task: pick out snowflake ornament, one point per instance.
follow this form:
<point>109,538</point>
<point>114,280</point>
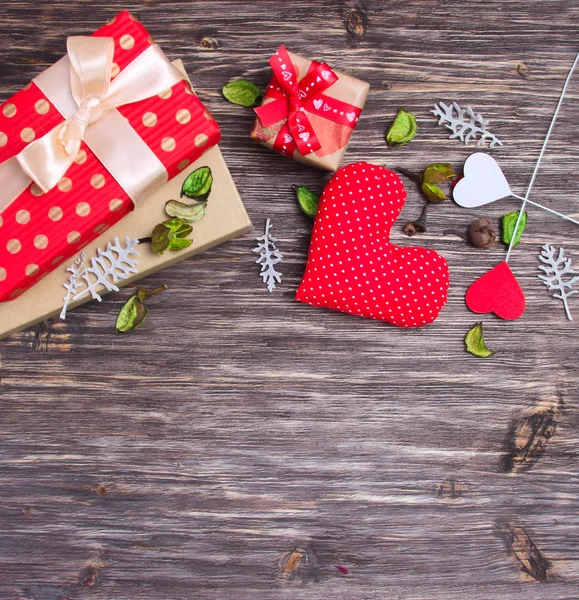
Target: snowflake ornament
<point>465,124</point>
<point>107,268</point>
<point>556,266</point>
<point>269,257</point>
<point>73,283</point>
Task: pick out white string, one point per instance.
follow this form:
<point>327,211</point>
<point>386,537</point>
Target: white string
<point>546,208</point>
<point>526,198</point>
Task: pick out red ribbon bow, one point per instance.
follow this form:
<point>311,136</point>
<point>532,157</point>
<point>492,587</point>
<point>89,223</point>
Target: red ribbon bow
<point>293,98</point>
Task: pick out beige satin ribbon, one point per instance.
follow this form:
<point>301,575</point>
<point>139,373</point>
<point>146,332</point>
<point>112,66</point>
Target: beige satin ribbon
<point>81,89</point>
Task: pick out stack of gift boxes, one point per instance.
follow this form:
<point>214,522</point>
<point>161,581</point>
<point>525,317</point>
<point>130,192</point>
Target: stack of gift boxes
<point>309,112</point>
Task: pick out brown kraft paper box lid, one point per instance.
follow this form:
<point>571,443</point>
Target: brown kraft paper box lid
<point>347,89</point>
<point>226,219</point>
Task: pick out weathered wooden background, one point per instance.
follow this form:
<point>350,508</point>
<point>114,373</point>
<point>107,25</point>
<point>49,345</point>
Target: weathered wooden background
<point>241,445</point>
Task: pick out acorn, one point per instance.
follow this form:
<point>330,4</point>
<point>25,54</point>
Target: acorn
<point>482,234</point>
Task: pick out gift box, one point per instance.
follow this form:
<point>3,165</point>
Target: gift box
<point>116,143</point>
<point>226,219</point>
<point>309,111</point>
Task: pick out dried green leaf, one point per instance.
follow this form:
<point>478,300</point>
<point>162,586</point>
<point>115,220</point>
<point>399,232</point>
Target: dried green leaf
<point>134,311</point>
<point>198,184</point>
<point>403,129</point>
<point>438,173</point>
<point>433,192</point>
<point>131,315</point>
<point>179,244</point>
<point>308,201</point>
<point>475,343</point>
<point>165,234</point>
<point>508,222</point>
<point>241,92</point>
<point>160,238</point>
<point>186,212</point>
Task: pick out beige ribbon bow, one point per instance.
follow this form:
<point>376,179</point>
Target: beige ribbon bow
<point>91,97</point>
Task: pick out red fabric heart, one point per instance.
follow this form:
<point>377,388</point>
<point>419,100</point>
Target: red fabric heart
<point>352,267</point>
<point>497,291</point>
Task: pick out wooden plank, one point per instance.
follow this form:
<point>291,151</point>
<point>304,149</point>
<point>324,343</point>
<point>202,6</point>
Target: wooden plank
<point>242,444</point>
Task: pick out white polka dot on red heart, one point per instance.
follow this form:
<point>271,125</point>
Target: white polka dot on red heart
<point>353,268</point>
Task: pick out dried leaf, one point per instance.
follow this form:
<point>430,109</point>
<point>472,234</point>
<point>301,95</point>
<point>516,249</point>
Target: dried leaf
<point>179,244</point>
<point>433,192</point>
<point>475,343</point>
<point>241,92</point>
<point>438,173</point>
<point>198,184</point>
<point>186,212</point>
<point>508,223</point>
<point>403,129</point>
<point>308,201</point>
<point>131,315</point>
<point>165,234</point>
<point>133,312</point>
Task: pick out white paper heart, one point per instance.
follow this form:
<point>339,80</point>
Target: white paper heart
<point>318,103</point>
<point>305,136</point>
<point>350,116</point>
<point>483,182</point>
<point>286,75</point>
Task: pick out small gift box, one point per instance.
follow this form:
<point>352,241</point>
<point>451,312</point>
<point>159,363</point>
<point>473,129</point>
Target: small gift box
<point>309,111</point>
<point>87,139</point>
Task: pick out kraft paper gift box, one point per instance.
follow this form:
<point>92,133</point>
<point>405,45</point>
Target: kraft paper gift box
<point>309,111</point>
<point>225,219</point>
<point>148,139</point>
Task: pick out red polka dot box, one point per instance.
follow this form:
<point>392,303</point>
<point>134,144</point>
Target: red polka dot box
<point>47,211</point>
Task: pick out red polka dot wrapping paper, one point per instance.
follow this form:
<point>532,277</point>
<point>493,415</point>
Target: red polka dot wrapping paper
<point>352,266</point>
<point>39,231</point>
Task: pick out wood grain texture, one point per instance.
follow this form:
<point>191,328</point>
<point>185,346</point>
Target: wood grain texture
<point>240,445</point>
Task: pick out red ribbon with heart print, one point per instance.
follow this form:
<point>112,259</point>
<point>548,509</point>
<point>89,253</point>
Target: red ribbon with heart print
<point>293,99</point>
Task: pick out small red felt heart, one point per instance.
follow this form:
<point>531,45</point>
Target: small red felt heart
<point>352,267</point>
<point>497,291</point>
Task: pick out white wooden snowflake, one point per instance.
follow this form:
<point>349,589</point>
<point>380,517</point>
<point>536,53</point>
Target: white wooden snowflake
<point>465,124</point>
<point>107,268</point>
<point>555,267</point>
<point>269,257</point>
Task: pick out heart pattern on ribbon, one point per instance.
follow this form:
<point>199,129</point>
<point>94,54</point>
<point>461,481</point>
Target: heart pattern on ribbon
<point>352,266</point>
<point>318,103</point>
<point>499,292</point>
<point>483,182</point>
